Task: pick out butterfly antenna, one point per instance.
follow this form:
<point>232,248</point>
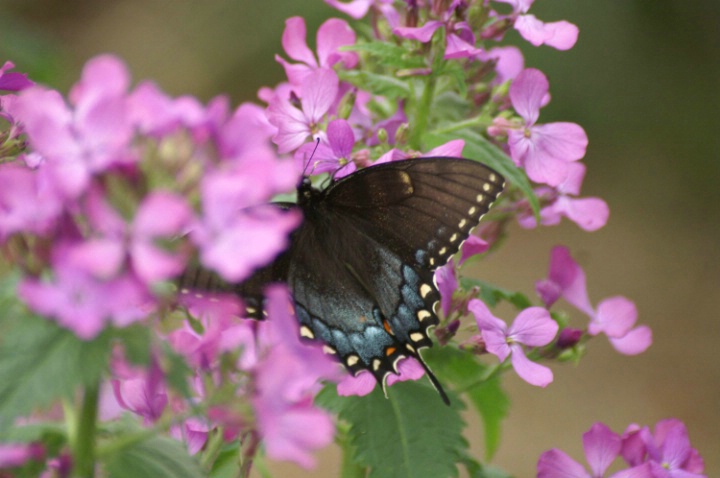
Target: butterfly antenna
<point>309,161</point>
<point>435,382</point>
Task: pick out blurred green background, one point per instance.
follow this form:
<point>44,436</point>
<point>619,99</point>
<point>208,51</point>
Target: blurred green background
<point>643,80</point>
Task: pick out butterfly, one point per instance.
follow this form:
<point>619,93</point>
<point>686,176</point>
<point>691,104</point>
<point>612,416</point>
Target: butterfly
<point>361,265</point>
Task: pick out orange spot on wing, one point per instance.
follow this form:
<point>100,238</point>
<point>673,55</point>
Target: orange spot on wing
<point>390,350</point>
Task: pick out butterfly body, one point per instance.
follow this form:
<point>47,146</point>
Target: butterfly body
<point>361,265</point>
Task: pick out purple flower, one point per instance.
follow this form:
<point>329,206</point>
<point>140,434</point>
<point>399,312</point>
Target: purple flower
<point>287,378</point>
<point>615,316</point>
<point>237,232</point>
<point>331,36</point>
<point>665,454</point>
<point>318,91</point>
<point>589,213</point>
<point>333,156</point>
<point>28,201</point>
<point>142,392</point>
<point>532,327</point>
<point>509,62</point>
<point>13,455</point>
<point>472,246</point>
<point>80,300</point>
<point>89,139</point>
<point>561,35</point>
<point>13,81</point>
<point>364,382</point>
<point>451,149</point>
<point>359,8</point>
<point>447,284</point>
<point>601,446</point>
<point>460,42</point>
<point>161,215</point>
<point>543,150</point>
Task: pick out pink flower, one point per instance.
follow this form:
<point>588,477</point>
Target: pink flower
<point>142,392</point>
<point>509,62</point>
<point>589,213</point>
<point>28,201</point>
<point>13,455</point>
<point>533,327</point>
<point>287,378</point>
<point>447,284</point>
<point>318,91</point>
<point>331,36</point>
<point>88,139</point>
<point>333,156</point>
<point>561,35</point>
<point>543,150</point>
<point>364,382</point>
<point>13,81</point>
<point>667,453</point>
<point>615,316</point>
<point>238,232</point>
<point>601,446</point>
<point>460,42</point>
<point>80,300</point>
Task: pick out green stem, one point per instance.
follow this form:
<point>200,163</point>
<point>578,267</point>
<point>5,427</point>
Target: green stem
<point>250,445</point>
<point>476,122</point>
<point>212,448</point>
<point>84,443</point>
<point>422,114</point>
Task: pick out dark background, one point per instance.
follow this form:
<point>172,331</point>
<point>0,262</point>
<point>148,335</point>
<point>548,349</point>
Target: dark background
<point>643,80</point>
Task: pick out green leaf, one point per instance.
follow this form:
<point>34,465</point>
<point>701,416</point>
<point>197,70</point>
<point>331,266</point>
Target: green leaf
<point>411,434</point>
<point>491,294</point>
<point>158,457</point>
<point>382,85</point>
<point>465,372</point>
<point>479,148</point>
<point>388,54</point>
<point>41,362</point>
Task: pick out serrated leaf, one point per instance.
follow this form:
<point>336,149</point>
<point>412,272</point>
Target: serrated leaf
<point>388,54</point>
<point>158,457</point>
<point>479,148</point>
<point>465,372</point>
<point>41,362</point>
<point>409,435</point>
<point>382,85</point>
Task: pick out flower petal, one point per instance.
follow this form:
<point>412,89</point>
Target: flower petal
<point>634,342</point>
<point>294,41</point>
<point>533,326</point>
<point>527,93</point>
<point>332,35</point>
<point>533,373</point>
<point>601,447</point>
<point>422,34</point>
<point>558,464</point>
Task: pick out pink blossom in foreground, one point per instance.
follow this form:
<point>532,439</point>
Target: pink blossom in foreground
<point>509,62</point>
<point>615,317</point>
<point>28,201</point>
<point>332,35</point>
<point>544,151</point>
<point>532,327</point>
<point>589,213</point>
<point>318,91</point>
<point>89,138</point>
<point>80,300</point>
<point>561,35</point>
<point>237,231</point>
<point>287,379</point>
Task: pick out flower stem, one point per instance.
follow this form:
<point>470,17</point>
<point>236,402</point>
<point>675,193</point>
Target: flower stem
<point>422,114</point>
<point>84,444</point>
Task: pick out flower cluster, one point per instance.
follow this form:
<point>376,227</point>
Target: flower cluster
<point>664,453</point>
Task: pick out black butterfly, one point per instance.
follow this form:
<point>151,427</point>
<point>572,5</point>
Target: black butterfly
<point>361,265</point>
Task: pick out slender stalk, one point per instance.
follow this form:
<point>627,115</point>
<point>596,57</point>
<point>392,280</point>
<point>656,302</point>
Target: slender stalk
<point>422,114</point>
<point>249,448</point>
<point>84,443</point>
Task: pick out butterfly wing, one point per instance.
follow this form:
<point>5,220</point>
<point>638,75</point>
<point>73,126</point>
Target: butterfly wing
<point>362,264</point>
